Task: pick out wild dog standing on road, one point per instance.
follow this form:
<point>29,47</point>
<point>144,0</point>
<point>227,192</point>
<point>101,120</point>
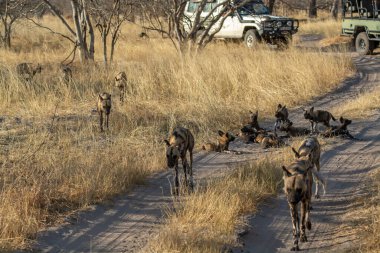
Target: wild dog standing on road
<point>180,141</point>
<point>297,185</point>
<point>310,147</point>
<point>28,70</point>
<point>121,83</point>
<point>293,131</point>
<point>339,130</point>
<point>104,107</point>
<point>281,115</point>
<point>222,144</point>
<point>318,116</point>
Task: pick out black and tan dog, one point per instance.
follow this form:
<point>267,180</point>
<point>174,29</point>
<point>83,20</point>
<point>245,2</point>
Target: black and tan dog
<point>121,83</point>
<point>294,131</point>
<point>318,116</point>
<point>339,130</point>
<point>281,115</point>
<point>297,184</point>
<point>311,148</point>
<point>103,106</point>
<point>269,140</point>
<point>222,144</point>
<point>180,142</point>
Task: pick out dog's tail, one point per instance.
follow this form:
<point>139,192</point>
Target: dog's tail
<point>334,119</point>
<point>317,177</point>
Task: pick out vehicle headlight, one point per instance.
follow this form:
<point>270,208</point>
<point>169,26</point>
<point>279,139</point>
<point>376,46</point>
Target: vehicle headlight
<point>279,23</point>
<point>289,23</point>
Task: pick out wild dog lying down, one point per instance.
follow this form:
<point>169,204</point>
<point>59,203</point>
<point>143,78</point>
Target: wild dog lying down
<point>339,130</point>
<point>121,84</point>
<point>281,115</point>
<point>297,186</point>
<point>269,140</point>
<point>318,116</point>
<point>311,148</point>
<point>27,71</point>
<point>180,141</point>
<point>293,131</point>
<point>222,144</point>
<point>103,106</point>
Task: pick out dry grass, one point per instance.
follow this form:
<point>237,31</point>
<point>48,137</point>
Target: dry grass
<point>363,106</point>
<point>365,221</point>
<point>207,220</point>
<point>52,167</point>
<point>327,28</point>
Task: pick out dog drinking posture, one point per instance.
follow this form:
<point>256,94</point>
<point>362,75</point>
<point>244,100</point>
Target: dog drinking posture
<point>297,185</point>
<point>311,148</point>
<point>121,84</point>
<point>181,140</point>
<point>318,116</point>
<point>222,144</point>
<point>281,115</point>
<point>104,107</point>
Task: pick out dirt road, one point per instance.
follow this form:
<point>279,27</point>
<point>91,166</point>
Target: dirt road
<point>130,222</point>
<point>345,164</point>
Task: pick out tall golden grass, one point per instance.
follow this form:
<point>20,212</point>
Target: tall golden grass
<point>363,106</point>
<point>53,160</point>
<point>327,28</point>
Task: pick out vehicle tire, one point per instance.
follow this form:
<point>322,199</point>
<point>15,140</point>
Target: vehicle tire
<point>363,45</point>
<point>251,38</point>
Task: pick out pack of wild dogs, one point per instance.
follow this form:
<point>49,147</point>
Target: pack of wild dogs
<point>298,177</point>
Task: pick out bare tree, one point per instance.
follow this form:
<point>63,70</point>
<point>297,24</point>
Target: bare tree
<point>168,17</point>
<point>10,11</point>
<point>271,4</point>
<point>82,27</point>
<point>109,15</point>
<point>334,9</point>
<point>312,8</point>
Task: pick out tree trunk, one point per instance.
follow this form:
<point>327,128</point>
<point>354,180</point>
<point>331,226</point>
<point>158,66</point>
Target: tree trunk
<point>271,5</point>
<point>104,40</point>
<point>334,9</point>
<point>79,35</point>
<point>312,8</point>
<point>91,49</point>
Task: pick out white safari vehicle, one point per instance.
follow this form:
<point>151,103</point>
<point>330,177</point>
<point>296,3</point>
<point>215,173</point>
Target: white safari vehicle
<point>251,23</point>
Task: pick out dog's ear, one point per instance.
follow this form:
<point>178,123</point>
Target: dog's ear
<point>279,106</point>
<point>257,112</point>
<point>100,97</point>
<point>284,107</point>
<point>220,132</point>
<point>250,112</point>
<point>167,143</point>
<point>286,172</point>
<point>296,153</point>
<point>341,119</point>
<point>312,109</point>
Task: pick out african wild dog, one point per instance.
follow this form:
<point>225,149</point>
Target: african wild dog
<point>339,130</point>
<point>297,184</point>
<point>27,71</point>
<point>311,148</point>
<point>269,140</point>
<point>318,116</point>
<point>104,107</point>
<point>254,120</point>
<point>281,115</point>
<point>144,35</point>
<point>180,141</point>
<point>293,131</point>
<point>121,84</point>
<point>222,144</point>
<point>67,74</point>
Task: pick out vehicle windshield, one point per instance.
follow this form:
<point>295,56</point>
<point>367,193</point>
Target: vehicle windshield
<point>253,8</point>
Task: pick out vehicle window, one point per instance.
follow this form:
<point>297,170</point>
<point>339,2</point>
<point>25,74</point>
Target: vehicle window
<point>194,6</point>
<point>253,8</point>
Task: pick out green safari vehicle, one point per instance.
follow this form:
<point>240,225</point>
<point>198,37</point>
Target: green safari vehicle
<point>361,21</point>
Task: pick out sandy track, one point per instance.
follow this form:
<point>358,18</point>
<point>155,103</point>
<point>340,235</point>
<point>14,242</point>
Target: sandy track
<point>345,164</point>
<point>134,218</point>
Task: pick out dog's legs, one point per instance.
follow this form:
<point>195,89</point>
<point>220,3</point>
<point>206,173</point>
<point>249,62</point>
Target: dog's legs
<point>176,181</point>
<point>191,170</point>
<point>275,125</point>
<point>318,180</point>
<point>303,237</point>
<point>185,168</point>
<point>295,224</point>
<point>312,126</point>
<point>101,121</point>
<point>107,118</point>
